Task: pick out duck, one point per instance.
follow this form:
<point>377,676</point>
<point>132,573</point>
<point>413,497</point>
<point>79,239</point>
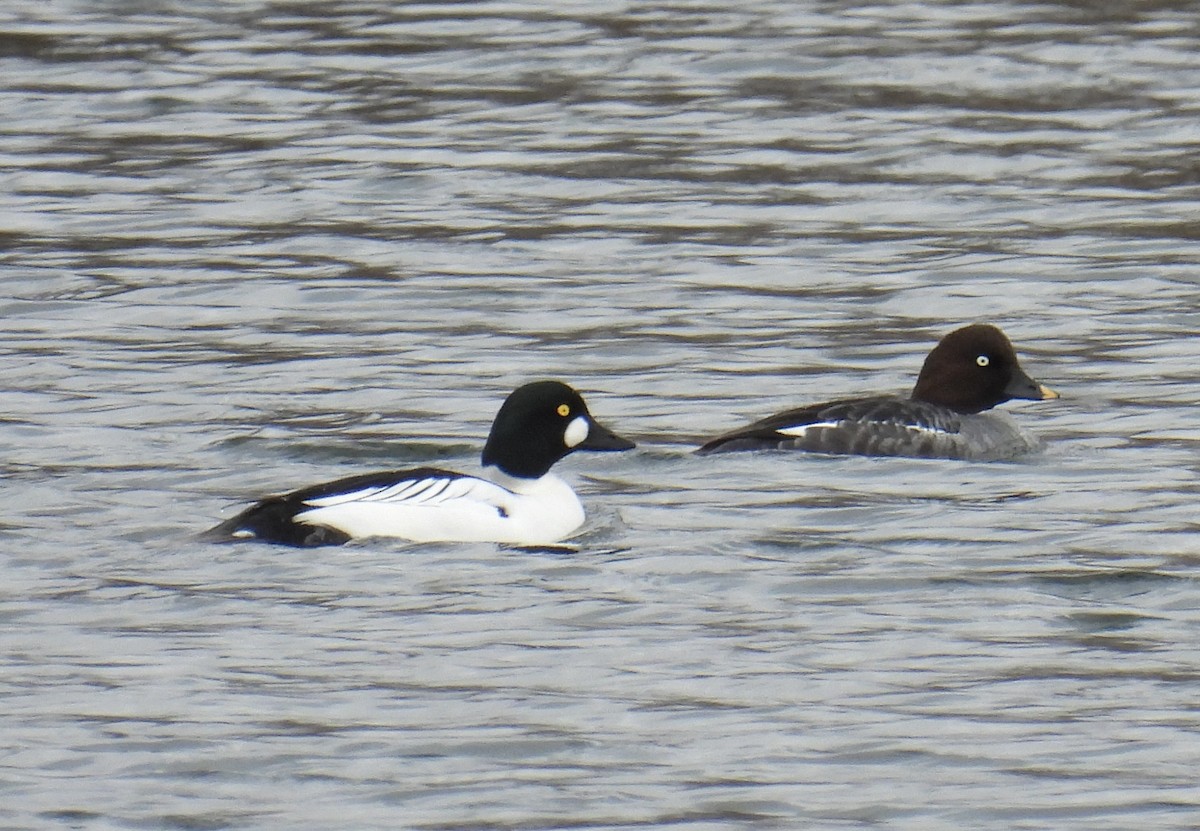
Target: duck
<point>519,502</point>
<point>969,371</point>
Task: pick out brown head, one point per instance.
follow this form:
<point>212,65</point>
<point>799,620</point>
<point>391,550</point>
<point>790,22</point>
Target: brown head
<point>973,369</point>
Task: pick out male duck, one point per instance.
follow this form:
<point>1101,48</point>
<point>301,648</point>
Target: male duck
<point>522,503</point>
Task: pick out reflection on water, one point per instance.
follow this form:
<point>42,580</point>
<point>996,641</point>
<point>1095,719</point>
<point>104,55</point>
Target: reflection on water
<point>252,246</point>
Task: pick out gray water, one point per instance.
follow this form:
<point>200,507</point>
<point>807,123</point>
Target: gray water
<point>252,246</point>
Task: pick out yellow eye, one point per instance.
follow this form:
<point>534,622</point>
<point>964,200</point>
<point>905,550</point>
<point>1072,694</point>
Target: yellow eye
<point>983,360</point>
<point>564,410</point>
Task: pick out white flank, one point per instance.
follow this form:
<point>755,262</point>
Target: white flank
<point>465,509</point>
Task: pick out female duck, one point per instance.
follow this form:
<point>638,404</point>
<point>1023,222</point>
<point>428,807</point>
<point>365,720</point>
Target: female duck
<point>522,503</point>
<point>971,370</point>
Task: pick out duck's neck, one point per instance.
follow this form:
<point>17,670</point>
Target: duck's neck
<point>516,484</point>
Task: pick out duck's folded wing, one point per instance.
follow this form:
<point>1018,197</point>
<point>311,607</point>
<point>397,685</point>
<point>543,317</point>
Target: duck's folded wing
<point>839,426</point>
<point>334,512</point>
<point>423,487</point>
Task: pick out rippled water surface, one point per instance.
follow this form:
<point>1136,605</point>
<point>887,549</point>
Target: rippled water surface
<point>250,246</point>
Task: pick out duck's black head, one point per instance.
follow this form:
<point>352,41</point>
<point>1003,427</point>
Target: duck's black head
<point>540,423</point>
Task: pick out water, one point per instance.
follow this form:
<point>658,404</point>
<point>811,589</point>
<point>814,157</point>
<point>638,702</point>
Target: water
<point>257,245</point>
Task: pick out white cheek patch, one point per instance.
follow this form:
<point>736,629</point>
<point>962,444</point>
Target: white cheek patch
<point>576,432</point>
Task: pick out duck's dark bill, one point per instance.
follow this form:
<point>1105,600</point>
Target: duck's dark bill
<point>600,437</point>
<point>1022,386</point>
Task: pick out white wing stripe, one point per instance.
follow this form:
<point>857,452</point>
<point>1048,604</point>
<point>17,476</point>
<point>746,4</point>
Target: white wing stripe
<point>419,492</point>
<point>411,491</point>
<point>801,430</point>
<point>401,490</point>
<point>340,498</point>
<point>435,490</point>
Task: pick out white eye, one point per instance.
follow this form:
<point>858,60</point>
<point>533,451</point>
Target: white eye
<point>576,431</point>
<point>983,360</point>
